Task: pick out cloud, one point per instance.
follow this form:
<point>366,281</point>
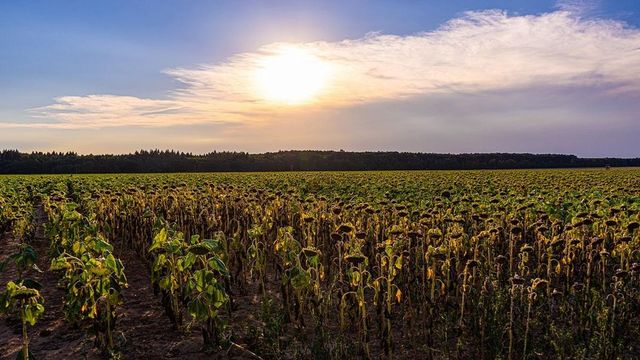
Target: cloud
<point>107,111</point>
<point>476,53</point>
<point>578,7</point>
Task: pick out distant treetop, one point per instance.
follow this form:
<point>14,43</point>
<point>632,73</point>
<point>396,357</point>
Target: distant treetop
<point>142,161</point>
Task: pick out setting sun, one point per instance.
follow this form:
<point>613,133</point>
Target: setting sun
<point>292,76</point>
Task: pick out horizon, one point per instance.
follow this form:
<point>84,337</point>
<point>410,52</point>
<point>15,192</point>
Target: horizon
<point>214,151</point>
<point>114,77</point>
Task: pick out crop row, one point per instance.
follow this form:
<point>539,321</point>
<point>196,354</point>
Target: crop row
<point>488,264</point>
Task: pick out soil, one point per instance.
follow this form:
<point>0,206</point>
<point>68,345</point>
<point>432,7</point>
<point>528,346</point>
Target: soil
<point>143,331</point>
<point>52,337</point>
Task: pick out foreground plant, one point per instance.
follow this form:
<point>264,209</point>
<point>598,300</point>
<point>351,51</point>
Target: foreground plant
<point>170,269</point>
<point>205,289</point>
<point>94,286</point>
<point>23,298</point>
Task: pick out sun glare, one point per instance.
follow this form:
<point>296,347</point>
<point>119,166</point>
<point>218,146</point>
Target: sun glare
<point>293,76</point>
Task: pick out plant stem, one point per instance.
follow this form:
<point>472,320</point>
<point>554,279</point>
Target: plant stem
<point>25,335</point>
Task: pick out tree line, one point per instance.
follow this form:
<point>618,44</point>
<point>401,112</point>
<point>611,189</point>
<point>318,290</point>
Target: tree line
<point>154,161</point>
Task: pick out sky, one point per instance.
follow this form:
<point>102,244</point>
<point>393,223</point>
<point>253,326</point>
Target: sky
<point>426,76</point>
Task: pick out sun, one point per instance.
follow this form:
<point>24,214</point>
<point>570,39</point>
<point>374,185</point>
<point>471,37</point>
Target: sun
<point>292,76</point>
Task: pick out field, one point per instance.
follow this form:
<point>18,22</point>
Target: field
<point>522,264</point>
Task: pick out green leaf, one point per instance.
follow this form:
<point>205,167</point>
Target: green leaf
<point>213,244</point>
<point>189,260</point>
<point>102,246</point>
<point>110,262</point>
<point>165,283</point>
<point>197,310</point>
<point>194,239</point>
<point>76,247</point>
<point>159,240</point>
<point>158,264</point>
<point>398,263</point>
<point>217,264</point>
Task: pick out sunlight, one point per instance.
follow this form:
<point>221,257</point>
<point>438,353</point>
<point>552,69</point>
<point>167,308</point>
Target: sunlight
<point>293,76</point>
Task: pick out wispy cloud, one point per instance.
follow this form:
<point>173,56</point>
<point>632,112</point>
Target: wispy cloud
<point>479,52</point>
<point>578,7</point>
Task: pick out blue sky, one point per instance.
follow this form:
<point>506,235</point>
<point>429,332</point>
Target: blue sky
<point>124,51</point>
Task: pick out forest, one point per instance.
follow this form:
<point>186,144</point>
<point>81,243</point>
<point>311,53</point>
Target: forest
<point>155,161</point>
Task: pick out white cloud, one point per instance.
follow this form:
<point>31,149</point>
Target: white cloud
<point>479,52</point>
<point>109,110</point>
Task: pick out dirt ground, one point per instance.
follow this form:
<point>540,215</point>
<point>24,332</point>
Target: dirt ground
<point>51,337</point>
<point>143,331</point>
